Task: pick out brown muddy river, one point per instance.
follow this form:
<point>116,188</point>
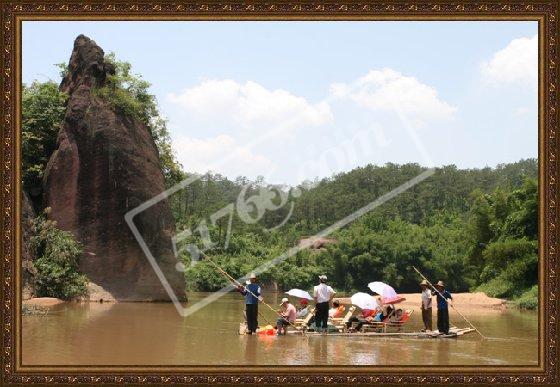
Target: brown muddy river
<point>155,334</point>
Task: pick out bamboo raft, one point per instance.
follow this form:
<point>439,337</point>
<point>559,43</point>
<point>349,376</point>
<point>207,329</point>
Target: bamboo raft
<point>453,332</point>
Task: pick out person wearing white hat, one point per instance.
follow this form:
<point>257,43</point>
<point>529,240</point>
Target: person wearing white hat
<point>426,306</point>
<point>251,302</point>
<point>288,313</point>
<point>323,295</point>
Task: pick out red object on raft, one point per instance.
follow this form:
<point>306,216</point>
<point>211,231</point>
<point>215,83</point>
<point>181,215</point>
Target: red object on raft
<point>267,330</point>
<point>392,300</point>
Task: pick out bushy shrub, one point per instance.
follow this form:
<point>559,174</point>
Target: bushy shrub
<point>529,299</point>
<point>57,263</point>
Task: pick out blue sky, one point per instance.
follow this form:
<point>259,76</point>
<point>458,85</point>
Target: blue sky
<point>294,100</point>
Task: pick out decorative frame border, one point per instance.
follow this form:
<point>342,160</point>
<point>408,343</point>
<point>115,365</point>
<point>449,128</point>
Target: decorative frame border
<point>13,12</point>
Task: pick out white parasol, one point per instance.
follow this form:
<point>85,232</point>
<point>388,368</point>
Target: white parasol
<point>387,293</point>
<point>299,294</point>
<point>381,288</point>
<point>364,301</point>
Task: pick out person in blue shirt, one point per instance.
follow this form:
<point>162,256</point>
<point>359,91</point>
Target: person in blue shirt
<point>251,290</point>
<point>442,308</point>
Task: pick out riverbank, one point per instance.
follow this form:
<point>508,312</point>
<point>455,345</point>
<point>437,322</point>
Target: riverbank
<point>464,300</point>
<point>477,300</point>
<point>39,306</point>
<point>43,302</point>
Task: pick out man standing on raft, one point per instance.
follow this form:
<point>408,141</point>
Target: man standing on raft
<point>426,306</point>
<point>323,294</point>
<point>442,309</point>
<point>251,302</point>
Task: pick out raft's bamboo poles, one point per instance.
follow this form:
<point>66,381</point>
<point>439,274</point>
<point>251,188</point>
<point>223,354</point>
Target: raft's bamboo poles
<point>441,295</point>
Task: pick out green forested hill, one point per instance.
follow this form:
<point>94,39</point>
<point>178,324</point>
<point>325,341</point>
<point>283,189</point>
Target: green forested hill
<point>457,225</point>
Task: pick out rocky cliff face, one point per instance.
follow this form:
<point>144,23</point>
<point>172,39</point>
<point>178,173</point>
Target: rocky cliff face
<point>105,165</point>
<point>28,269</point>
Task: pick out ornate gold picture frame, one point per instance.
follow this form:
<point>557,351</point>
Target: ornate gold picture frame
<point>14,12</point>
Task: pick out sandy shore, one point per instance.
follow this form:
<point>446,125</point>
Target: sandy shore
<point>460,300</point>
<point>463,300</point>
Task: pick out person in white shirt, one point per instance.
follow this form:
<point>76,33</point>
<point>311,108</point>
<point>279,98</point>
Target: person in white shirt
<point>426,306</point>
<point>323,294</point>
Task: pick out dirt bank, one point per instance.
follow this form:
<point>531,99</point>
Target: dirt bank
<point>460,300</point>
<point>463,300</point>
<point>43,301</point>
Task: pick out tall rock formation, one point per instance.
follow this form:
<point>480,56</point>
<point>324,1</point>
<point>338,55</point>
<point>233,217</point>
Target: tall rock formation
<point>27,257</point>
<point>106,164</point>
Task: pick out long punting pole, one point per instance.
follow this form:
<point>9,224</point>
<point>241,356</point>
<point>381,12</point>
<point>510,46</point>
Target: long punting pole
<point>446,300</point>
<point>235,282</point>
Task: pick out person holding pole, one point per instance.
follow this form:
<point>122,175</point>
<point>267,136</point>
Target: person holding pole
<point>426,306</point>
<point>442,309</point>
<point>323,294</point>
<point>251,292</point>
<point>288,316</point>
<point>248,291</point>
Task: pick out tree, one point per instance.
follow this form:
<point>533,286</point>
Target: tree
<point>57,255</point>
<point>43,107</point>
<point>507,260</point>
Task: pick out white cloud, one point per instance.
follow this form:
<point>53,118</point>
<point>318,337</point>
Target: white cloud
<point>251,106</point>
<point>517,62</point>
<point>220,154</point>
<point>225,119</point>
<point>389,90</point>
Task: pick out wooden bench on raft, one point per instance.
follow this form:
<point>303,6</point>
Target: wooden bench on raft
<point>301,323</point>
<point>382,326</point>
<point>341,323</point>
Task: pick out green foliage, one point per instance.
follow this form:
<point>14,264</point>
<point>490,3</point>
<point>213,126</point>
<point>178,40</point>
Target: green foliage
<point>390,254</point>
<point>529,299</point>
<point>43,107</point>
<point>57,255</point>
<point>128,92</point>
<point>62,69</point>
<point>504,243</point>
